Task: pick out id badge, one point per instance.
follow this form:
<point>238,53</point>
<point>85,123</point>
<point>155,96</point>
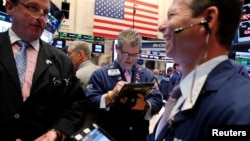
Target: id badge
<point>114,72</point>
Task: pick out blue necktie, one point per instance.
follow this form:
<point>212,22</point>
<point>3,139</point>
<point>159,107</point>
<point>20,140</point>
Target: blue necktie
<point>21,60</point>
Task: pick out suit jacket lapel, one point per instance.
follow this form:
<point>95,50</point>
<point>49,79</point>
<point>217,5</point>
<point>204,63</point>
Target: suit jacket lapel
<point>44,60</point>
<point>7,58</point>
<point>8,64</point>
<point>212,84</point>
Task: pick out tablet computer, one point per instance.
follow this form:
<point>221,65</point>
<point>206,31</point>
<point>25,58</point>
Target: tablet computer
<point>92,133</point>
<point>144,88</point>
<point>130,92</point>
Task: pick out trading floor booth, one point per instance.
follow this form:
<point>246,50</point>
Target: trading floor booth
<point>240,52</point>
<point>240,49</point>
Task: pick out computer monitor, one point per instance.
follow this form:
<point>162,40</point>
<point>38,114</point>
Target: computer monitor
<point>243,32</point>
<point>243,58</point>
<point>5,21</point>
<point>97,48</point>
<point>59,43</point>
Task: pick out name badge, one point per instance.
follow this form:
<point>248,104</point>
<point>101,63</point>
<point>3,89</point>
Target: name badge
<point>114,72</point>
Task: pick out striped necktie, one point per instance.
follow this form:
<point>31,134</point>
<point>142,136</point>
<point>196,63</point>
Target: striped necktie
<point>21,60</point>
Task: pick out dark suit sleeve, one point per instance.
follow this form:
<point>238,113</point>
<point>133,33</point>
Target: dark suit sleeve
<point>155,98</point>
<point>73,102</point>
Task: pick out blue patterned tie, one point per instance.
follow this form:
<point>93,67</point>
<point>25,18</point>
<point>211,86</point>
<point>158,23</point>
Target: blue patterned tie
<point>21,60</point>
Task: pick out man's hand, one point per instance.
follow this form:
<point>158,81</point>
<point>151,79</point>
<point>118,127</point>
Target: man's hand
<point>51,135</point>
<point>140,103</point>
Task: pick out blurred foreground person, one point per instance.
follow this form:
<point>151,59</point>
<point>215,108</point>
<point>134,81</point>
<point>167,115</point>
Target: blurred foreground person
<point>212,94</point>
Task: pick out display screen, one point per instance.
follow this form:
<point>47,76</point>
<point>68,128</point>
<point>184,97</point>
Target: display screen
<point>244,27</point>
<point>243,32</point>
<point>59,43</point>
<point>243,58</point>
<point>155,52</point>
<point>95,135</point>
<point>54,18</point>
<point>97,48</point>
<point>92,133</point>
<point>5,21</point>
<point>47,36</point>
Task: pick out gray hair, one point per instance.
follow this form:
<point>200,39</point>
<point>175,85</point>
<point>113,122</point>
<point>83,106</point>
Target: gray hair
<point>131,37</point>
<point>81,46</point>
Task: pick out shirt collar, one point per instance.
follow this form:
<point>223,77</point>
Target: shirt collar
<point>192,84</point>
<point>85,63</point>
<point>14,38</point>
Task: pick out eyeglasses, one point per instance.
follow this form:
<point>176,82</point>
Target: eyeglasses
<point>126,54</point>
<point>34,10</point>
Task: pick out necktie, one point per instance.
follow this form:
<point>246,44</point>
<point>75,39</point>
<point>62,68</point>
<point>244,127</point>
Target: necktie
<point>21,60</point>
<point>175,94</point>
<point>127,76</point>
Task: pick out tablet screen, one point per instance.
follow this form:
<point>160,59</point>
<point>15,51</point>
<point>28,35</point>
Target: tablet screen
<point>144,88</point>
<point>92,133</point>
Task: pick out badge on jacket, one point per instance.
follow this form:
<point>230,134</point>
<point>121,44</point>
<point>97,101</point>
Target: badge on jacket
<point>114,72</point>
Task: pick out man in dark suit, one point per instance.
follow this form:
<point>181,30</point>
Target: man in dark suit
<point>49,102</point>
<point>177,74</point>
<point>213,96</point>
<point>126,119</point>
<point>165,84</point>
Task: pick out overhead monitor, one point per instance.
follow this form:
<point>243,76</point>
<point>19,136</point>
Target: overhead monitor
<point>243,58</point>
<point>97,48</point>
<point>59,43</point>
<point>243,32</point>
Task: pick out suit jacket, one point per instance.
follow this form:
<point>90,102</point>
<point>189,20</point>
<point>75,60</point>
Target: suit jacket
<point>121,122</point>
<point>56,99</point>
<point>175,78</point>
<point>84,72</point>
<point>240,69</point>
<point>224,100</point>
<point>166,86</point>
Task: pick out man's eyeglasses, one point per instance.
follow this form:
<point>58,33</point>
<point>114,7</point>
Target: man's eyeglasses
<point>126,54</point>
<point>34,10</point>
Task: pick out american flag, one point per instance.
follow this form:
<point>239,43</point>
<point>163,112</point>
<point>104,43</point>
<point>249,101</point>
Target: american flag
<point>113,16</point>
